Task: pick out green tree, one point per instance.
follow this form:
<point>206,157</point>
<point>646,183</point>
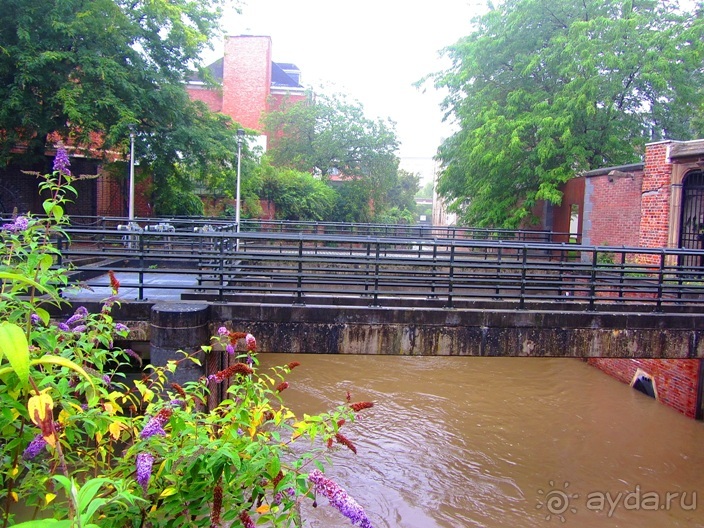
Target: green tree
<point>330,136</point>
<point>403,193</point>
<point>544,89</point>
<point>296,195</point>
<point>88,69</point>
<point>426,192</point>
<point>353,204</point>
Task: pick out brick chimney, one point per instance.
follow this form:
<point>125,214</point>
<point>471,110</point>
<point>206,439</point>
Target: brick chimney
<point>246,78</point>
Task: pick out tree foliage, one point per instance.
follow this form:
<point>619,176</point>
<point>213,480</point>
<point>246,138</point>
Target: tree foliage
<point>544,89</point>
<point>296,195</point>
<point>328,136</point>
<point>88,69</point>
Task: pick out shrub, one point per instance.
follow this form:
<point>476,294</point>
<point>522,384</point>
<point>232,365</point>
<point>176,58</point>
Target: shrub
<point>83,447</point>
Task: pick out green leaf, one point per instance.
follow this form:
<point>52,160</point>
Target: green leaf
<point>46,261</point>
<point>88,492</point>
<point>14,346</point>
<point>57,212</point>
<point>14,277</point>
<point>45,360</point>
<point>43,314</point>
<point>48,205</point>
<point>41,523</point>
<point>274,466</point>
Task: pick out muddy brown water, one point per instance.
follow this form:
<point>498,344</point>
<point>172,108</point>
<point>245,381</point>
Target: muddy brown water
<point>501,442</point>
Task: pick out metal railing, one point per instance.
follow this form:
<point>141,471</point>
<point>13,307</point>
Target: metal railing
<point>327,228</point>
<point>382,271</point>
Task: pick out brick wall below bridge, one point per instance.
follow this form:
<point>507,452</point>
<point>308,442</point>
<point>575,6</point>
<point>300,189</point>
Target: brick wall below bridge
<point>676,381</point>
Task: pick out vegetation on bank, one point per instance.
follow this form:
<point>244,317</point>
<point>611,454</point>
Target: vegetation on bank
<point>84,446</point>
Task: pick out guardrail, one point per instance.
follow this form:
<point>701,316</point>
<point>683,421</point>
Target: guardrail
<point>383,271</point>
<point>328,228</point>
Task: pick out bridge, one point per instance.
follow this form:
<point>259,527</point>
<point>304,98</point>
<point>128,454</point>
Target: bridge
<point>340,288</point>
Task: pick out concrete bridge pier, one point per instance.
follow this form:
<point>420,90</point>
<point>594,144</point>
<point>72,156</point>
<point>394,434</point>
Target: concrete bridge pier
<point>179,326</point>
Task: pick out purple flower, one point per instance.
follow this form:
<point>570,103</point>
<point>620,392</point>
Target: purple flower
<point>222,331</point>
<point>251,342</point>
<point>64,327</point>
<point>131,353</point>
<point>144,469</point>
<point>108,304</point>
<point>79,315</point>
<point>230,348</point>
<point>34,448</point>
<point>340,499</point>
<point>119,327</point>
<point>35,319</point>
<point>20,224</point>
<point>107,380</point>
<point>155,425</point>
<point>177,403</point>
<point>61,161</point>
<point>79,329</point>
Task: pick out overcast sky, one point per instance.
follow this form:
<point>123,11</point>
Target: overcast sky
<point>371,50</point>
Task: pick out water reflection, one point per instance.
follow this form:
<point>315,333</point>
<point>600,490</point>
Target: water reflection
<point>464,442</point>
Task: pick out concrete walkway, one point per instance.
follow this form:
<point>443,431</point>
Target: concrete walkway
<point>157,286</point>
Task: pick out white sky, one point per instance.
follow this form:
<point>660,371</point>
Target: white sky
<point>371,50</point>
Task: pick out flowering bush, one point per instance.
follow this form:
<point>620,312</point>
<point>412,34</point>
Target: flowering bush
<point>84,447</point>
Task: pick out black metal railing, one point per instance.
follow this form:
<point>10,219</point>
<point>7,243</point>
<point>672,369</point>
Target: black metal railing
<point>182,223</point>
<point>261,266</point>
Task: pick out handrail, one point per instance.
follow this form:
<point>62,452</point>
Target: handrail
<point>441,272</point>
<point>187,223</point>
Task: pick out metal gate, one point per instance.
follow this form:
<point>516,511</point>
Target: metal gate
<point>692,221</point>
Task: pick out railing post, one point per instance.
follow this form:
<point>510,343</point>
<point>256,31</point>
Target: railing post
<point>435,269</point>
<point>141,266</point>
<point>366,266</point>
<point>450,277</point>
<point>592,282</point>
<point>375,297</point>
<point>299,278</point>
<point>524,262</point>
<point>221,268</point>
<point>661,277</point>
<point>499,256</point>
<point>622,276</point>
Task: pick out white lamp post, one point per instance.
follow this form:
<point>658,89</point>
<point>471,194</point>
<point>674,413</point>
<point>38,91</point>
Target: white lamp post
<point>131,203</point>
<point>240,137</point>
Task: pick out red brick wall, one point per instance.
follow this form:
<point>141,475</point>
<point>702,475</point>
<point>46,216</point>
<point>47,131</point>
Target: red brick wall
<point>614,210</point>
<point>676,380</point>
<point>246,79</point>
<point>211,97</point>
<point>655,199</point>
<point>113,194</point>
<point>110,199</point>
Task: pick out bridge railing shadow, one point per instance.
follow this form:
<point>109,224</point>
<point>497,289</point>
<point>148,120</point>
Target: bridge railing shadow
<point>268,266</point>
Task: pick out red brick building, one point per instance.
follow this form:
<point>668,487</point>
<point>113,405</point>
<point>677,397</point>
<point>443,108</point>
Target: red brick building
<point>251,83</point>
<point>657,203</point>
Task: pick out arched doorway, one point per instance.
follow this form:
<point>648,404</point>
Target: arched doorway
<point>692,220</point>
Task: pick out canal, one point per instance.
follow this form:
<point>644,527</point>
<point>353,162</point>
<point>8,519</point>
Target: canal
<point>458,442</point>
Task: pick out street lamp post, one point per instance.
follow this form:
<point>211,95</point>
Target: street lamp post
<point>131,204</point>
<point>240,137</point>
